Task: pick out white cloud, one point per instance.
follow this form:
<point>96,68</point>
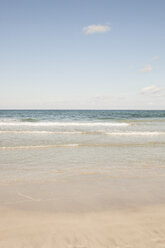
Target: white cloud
<point>93,29</point>
<point>151,90</point>
<point>147,68</point>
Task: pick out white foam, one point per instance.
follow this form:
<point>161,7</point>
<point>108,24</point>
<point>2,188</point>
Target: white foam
<point>36,146</point>
<point>83,133</point>
<point>64,124</point>
<point>136,133</point>
<point>39,132</point>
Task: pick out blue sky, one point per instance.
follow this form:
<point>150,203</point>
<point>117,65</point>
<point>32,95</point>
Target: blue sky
<point>90,54</point>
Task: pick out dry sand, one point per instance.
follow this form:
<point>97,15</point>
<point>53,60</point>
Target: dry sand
<point>131,228</point>
<point>94,213</point>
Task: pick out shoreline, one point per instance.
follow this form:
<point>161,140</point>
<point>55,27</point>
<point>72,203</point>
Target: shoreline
<point>86,193</point>
<point>87,211</point>
<point>90,211</point>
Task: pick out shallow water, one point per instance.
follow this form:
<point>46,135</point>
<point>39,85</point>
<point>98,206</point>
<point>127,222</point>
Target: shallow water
<point>44,145</point>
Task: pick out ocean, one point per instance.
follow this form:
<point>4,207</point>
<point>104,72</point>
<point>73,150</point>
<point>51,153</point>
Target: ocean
<point>45,145</point>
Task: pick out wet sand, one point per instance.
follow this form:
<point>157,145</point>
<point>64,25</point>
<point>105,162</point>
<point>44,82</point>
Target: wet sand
<point>84,212</point>
<point>85,193</point>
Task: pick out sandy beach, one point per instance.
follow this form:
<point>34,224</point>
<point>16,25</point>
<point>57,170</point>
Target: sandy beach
<point>82,124</point>
<point>133,228</point>
<point>70,179</point>
<point>80,213</point>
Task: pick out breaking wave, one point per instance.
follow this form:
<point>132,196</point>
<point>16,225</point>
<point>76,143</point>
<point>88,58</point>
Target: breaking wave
<point>92,124</point>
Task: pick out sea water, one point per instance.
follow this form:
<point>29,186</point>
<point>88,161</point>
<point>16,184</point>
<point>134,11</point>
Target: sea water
<point>36,145</point>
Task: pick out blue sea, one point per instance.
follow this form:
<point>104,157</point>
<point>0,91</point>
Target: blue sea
<point>43,146</point>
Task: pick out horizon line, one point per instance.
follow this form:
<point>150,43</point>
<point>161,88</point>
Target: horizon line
<point>82,109</point>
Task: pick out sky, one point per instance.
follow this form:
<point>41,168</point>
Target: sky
<point>82,54</point>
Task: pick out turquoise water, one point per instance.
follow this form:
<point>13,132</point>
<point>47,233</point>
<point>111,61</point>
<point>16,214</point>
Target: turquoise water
<point>49,145</point>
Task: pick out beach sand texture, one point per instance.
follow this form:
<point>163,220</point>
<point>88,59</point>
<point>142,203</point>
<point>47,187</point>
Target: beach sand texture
<point>143,227</point>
